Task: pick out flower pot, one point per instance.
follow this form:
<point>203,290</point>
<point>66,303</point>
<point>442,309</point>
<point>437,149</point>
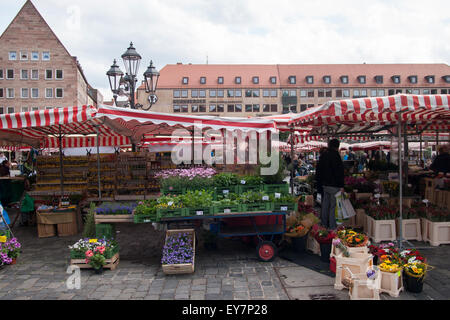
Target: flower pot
<point>413,284</point>
<point>325,250</point>
<point>299,244</point>
<point>99,270</point>
<point>13,261</point>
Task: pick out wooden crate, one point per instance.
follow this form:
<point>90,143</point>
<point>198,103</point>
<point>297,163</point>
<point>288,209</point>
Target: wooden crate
<point>185,267</point>
<point>110,263</point>
<point>411,229</point>
<point>436,233</point>
<point>68,229</point>
<point>113,218</point>
<point>46,230</point>
<point>391,283</point>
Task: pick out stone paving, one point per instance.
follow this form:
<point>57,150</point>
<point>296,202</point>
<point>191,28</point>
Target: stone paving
<point>231,272</point>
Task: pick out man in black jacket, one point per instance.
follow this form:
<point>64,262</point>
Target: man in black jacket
<point>442,162</point>
<point>330,175</point>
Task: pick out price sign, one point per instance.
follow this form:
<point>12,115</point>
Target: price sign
<point>284,208</point>
<point>277,195</point>
<point>226,210</point>
<point>265,198</point>
<point>226,191</point>
<point>199,213</point>
<point>242,181</point>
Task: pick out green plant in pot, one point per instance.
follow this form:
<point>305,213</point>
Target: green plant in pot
<point>279,176</point>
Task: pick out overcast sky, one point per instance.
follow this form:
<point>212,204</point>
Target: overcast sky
<point>244,31</point>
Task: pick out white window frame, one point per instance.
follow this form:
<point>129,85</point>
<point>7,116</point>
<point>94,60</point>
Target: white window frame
<point>32,74</point>
<point>220,80</point>
<point>56,96</point>
<point>185,80</point>
<point>46,96</point>
<point>32,93</point>
<point>22,109</point>
<point>56,72</point>
<point>9,55</point>
<point>21,73</point>
<point>14,74</point>
<point>34,108</point>
<point>23,59</point>
<point>32,58</point>
<point>310,80</point>
<point>21,93</point>
<point>49,56</point>
<point>383,92</point>
<point>7,93</point>
<point>11,108</point>
<point>46,78</point>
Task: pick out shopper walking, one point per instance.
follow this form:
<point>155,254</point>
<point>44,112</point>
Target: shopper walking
<point>330,175</point>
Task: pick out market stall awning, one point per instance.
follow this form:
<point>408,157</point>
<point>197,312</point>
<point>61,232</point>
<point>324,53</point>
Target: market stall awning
<point>282,122</point>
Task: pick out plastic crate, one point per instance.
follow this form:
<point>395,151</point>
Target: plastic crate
<point>231,189</point>
<point>169,213</point>
<point>278,188</point>
<point>207,211</point>
<point>144,218</point>
<point>227,209</point>
<point>280,206</point>
<point>245,188</point>
<point>105,230</point>
<point>261,206</point>
<point>174,191</point>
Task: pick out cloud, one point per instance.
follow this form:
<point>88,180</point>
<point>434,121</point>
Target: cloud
<point>239,32</point>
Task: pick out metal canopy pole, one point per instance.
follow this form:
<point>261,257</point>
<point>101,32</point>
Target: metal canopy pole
<point>400,162</point>
<point>420,151</point>
<point>98,164</point>
<point>61,169</point>
<point>405,147</point>
<point>292,159</point>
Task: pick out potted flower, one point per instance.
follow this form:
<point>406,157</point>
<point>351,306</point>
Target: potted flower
<point>324,237</point>
<point>179,251</point>
<point>10,251</point>
<point>96,258</point>
<point>414,275</point>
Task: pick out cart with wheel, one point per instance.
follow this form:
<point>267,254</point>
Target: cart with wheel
<point>274,223</point>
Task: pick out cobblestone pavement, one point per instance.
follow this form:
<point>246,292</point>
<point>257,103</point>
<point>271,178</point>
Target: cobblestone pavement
<point>232,272</point>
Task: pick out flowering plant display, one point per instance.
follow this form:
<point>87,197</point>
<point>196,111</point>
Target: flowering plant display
<point>96,257</point>
<point>186,173</point>
<point>323,235</point>
<point>83,245</point>
<point>415,269</point>
<point>169,202</point>
<point>359,183</point>
<point>225,179</point>
<point>390,265</point>
<point>351,238</point>
<point>411,256</point>
<point>178,249</point>
<point>112,208</point>
<point>9,250</point>
<point>146,207</point>
<point>382,212</point>
<point>197,199</point>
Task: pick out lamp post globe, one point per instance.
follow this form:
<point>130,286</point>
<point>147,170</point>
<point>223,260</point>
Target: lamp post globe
<point>115,78</point>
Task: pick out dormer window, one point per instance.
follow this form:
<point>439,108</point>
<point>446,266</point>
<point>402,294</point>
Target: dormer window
<point>220,80</point>
<point>237,80</point>
<point>292,80</point>
<point>412,79</point>
<point>255,80</point>
<point>429,79</point>
<point>446,78</point>
<point>202,80</point>
<point>327,79</point>
<point>396,79</point>
<point>185,80</point>
<point>309,79</point>
<point>344,79</point>
<point>379,79</point>
<point>362,79</point>
<point>273,80</point>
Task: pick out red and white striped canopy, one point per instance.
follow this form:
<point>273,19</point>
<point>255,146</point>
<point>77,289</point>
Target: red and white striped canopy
<point>373,114</point>
<point>282,122</point>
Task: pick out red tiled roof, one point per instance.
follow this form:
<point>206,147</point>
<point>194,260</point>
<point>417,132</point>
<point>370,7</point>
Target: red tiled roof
<point>172,75</point>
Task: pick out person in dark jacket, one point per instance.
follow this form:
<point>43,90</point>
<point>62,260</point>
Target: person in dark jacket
<point>442,162</point>
<point>330,175</point>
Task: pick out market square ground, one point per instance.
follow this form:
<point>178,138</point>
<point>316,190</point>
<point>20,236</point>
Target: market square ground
<point>230,273</point>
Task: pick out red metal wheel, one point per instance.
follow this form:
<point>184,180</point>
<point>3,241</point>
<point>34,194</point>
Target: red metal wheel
<point>266,251</point>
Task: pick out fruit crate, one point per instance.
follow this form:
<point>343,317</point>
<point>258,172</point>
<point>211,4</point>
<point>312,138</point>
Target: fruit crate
<point>283,206</point>
<point>260,206</point>
<point>169,213</point>
<point>278,188</point>
<point>145,218</point>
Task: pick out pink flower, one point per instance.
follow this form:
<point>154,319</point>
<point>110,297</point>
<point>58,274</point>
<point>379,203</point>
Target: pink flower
<point>89,253</point>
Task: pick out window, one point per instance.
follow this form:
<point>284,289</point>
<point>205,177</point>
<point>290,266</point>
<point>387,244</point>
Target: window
<point>426,91</point>
<point>292,93</point>
<point>255,93</point>
<point>1,74</point>
<point>310,106</point>
<point>321,93</point>
<point>273,80</point>
<point>176,108</point>
<point>324,93</point>
<point>273,108</point>
<point>292,80</point>
<point>230,93</point>
<point>202,80</point>
<point>23,55</point>
<point>255,80</point>
<point>433,91</point>
<point>202,93</point>
<point>184,109</point>
<point>303,107</point>
<point>373,92</point>
<point>59,75</point>
<point>396,79</point>
<point>346,93</point>
<point>46,56</point>
<point>24,74</point>
<point>266,107</point>
<point>266,93</point>
<point>11,110</point>
<point>212,93</point>
<point>237,80</point>
<point>2,93</point>
<point>293,108</point>
<point>24,109</point>
<point>48,74</point>
<point>327,79</point>
<point>363,93</point>
<point>212,108</point>
<point>362,79</point>
<point>10,74</point>
<point>408,91</point>
<point>184,93</point>
<point>47,108</point>
<point>220,80</point>
<point>303,93</point>
<point>202,108</point>
<point>34,108</point>
<point>338,93</point>
<point>185,80</point>
<point>310,93</point>
<point>248,108</point>
<point>381,93</point>
<point>416,91</point>
<point>10,93</point>
<point>398,91</point>
<point>194,93</point>
<point>256,108</point>
<point>344,79</point>
<point>379,79</point>
<point>34,74</point>
<point>285,109</point>
<point>429,79</point>
<point>12,55</point>
<point>238,93</point>
<point>238,108</point>
<point>194,108</point>
<point>24,93</point>
<point>309,79</point>
<point>273,93</point>
<point>34,92</point>
<point>219,93</point>
<point>49,93</point>
<point>230,108</point>
<point>356,93</point>
<point>328,93</point>
<point>412,79</point>
<point>220,108</point>
<point>391,92</point>
<point>446,79</point>
<point>59,92</point>
<point>34,55</point>
<point>176,93</point>
<point>444,91</point>
<point>2,111</point>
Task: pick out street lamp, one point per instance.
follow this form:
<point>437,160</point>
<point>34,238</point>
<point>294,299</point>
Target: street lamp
<point>126,85</point>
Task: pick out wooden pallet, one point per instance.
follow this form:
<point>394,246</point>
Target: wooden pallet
<point>110,263</point>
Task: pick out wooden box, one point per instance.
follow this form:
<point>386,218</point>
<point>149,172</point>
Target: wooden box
<point>363,288</point>
<point>110,263</point>
<point>185,267</point>
<point>46,230</point>
<point>411,229</point>
<point>112,218</point>
<point>68,229</point>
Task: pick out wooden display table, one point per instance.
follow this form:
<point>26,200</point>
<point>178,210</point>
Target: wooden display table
<point>61,222</point>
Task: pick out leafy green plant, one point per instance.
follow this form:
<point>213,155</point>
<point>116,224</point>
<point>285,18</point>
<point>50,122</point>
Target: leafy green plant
<point>278,177</point>
<point>252,180</point>
<point>89,224</point>
<point>225,179</point>
<point>253,196</point>
<point>146,207</point>
<point>197,199</point>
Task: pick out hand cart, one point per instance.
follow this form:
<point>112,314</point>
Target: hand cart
<point>266,250</point>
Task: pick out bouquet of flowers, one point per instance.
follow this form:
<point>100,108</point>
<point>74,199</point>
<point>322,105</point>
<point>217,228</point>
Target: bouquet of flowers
<point>9,250</point>
<point>80,248</point>
<point>415,269</point>
<point>354,239</point>
<point>323,235</point>
<point>409,256</point>
<point>390,265</point>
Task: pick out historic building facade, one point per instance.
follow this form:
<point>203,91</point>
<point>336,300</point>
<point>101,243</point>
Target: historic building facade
<point>36,70</point>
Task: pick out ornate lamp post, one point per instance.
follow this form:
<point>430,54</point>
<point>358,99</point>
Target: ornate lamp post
<point>126,85</point>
